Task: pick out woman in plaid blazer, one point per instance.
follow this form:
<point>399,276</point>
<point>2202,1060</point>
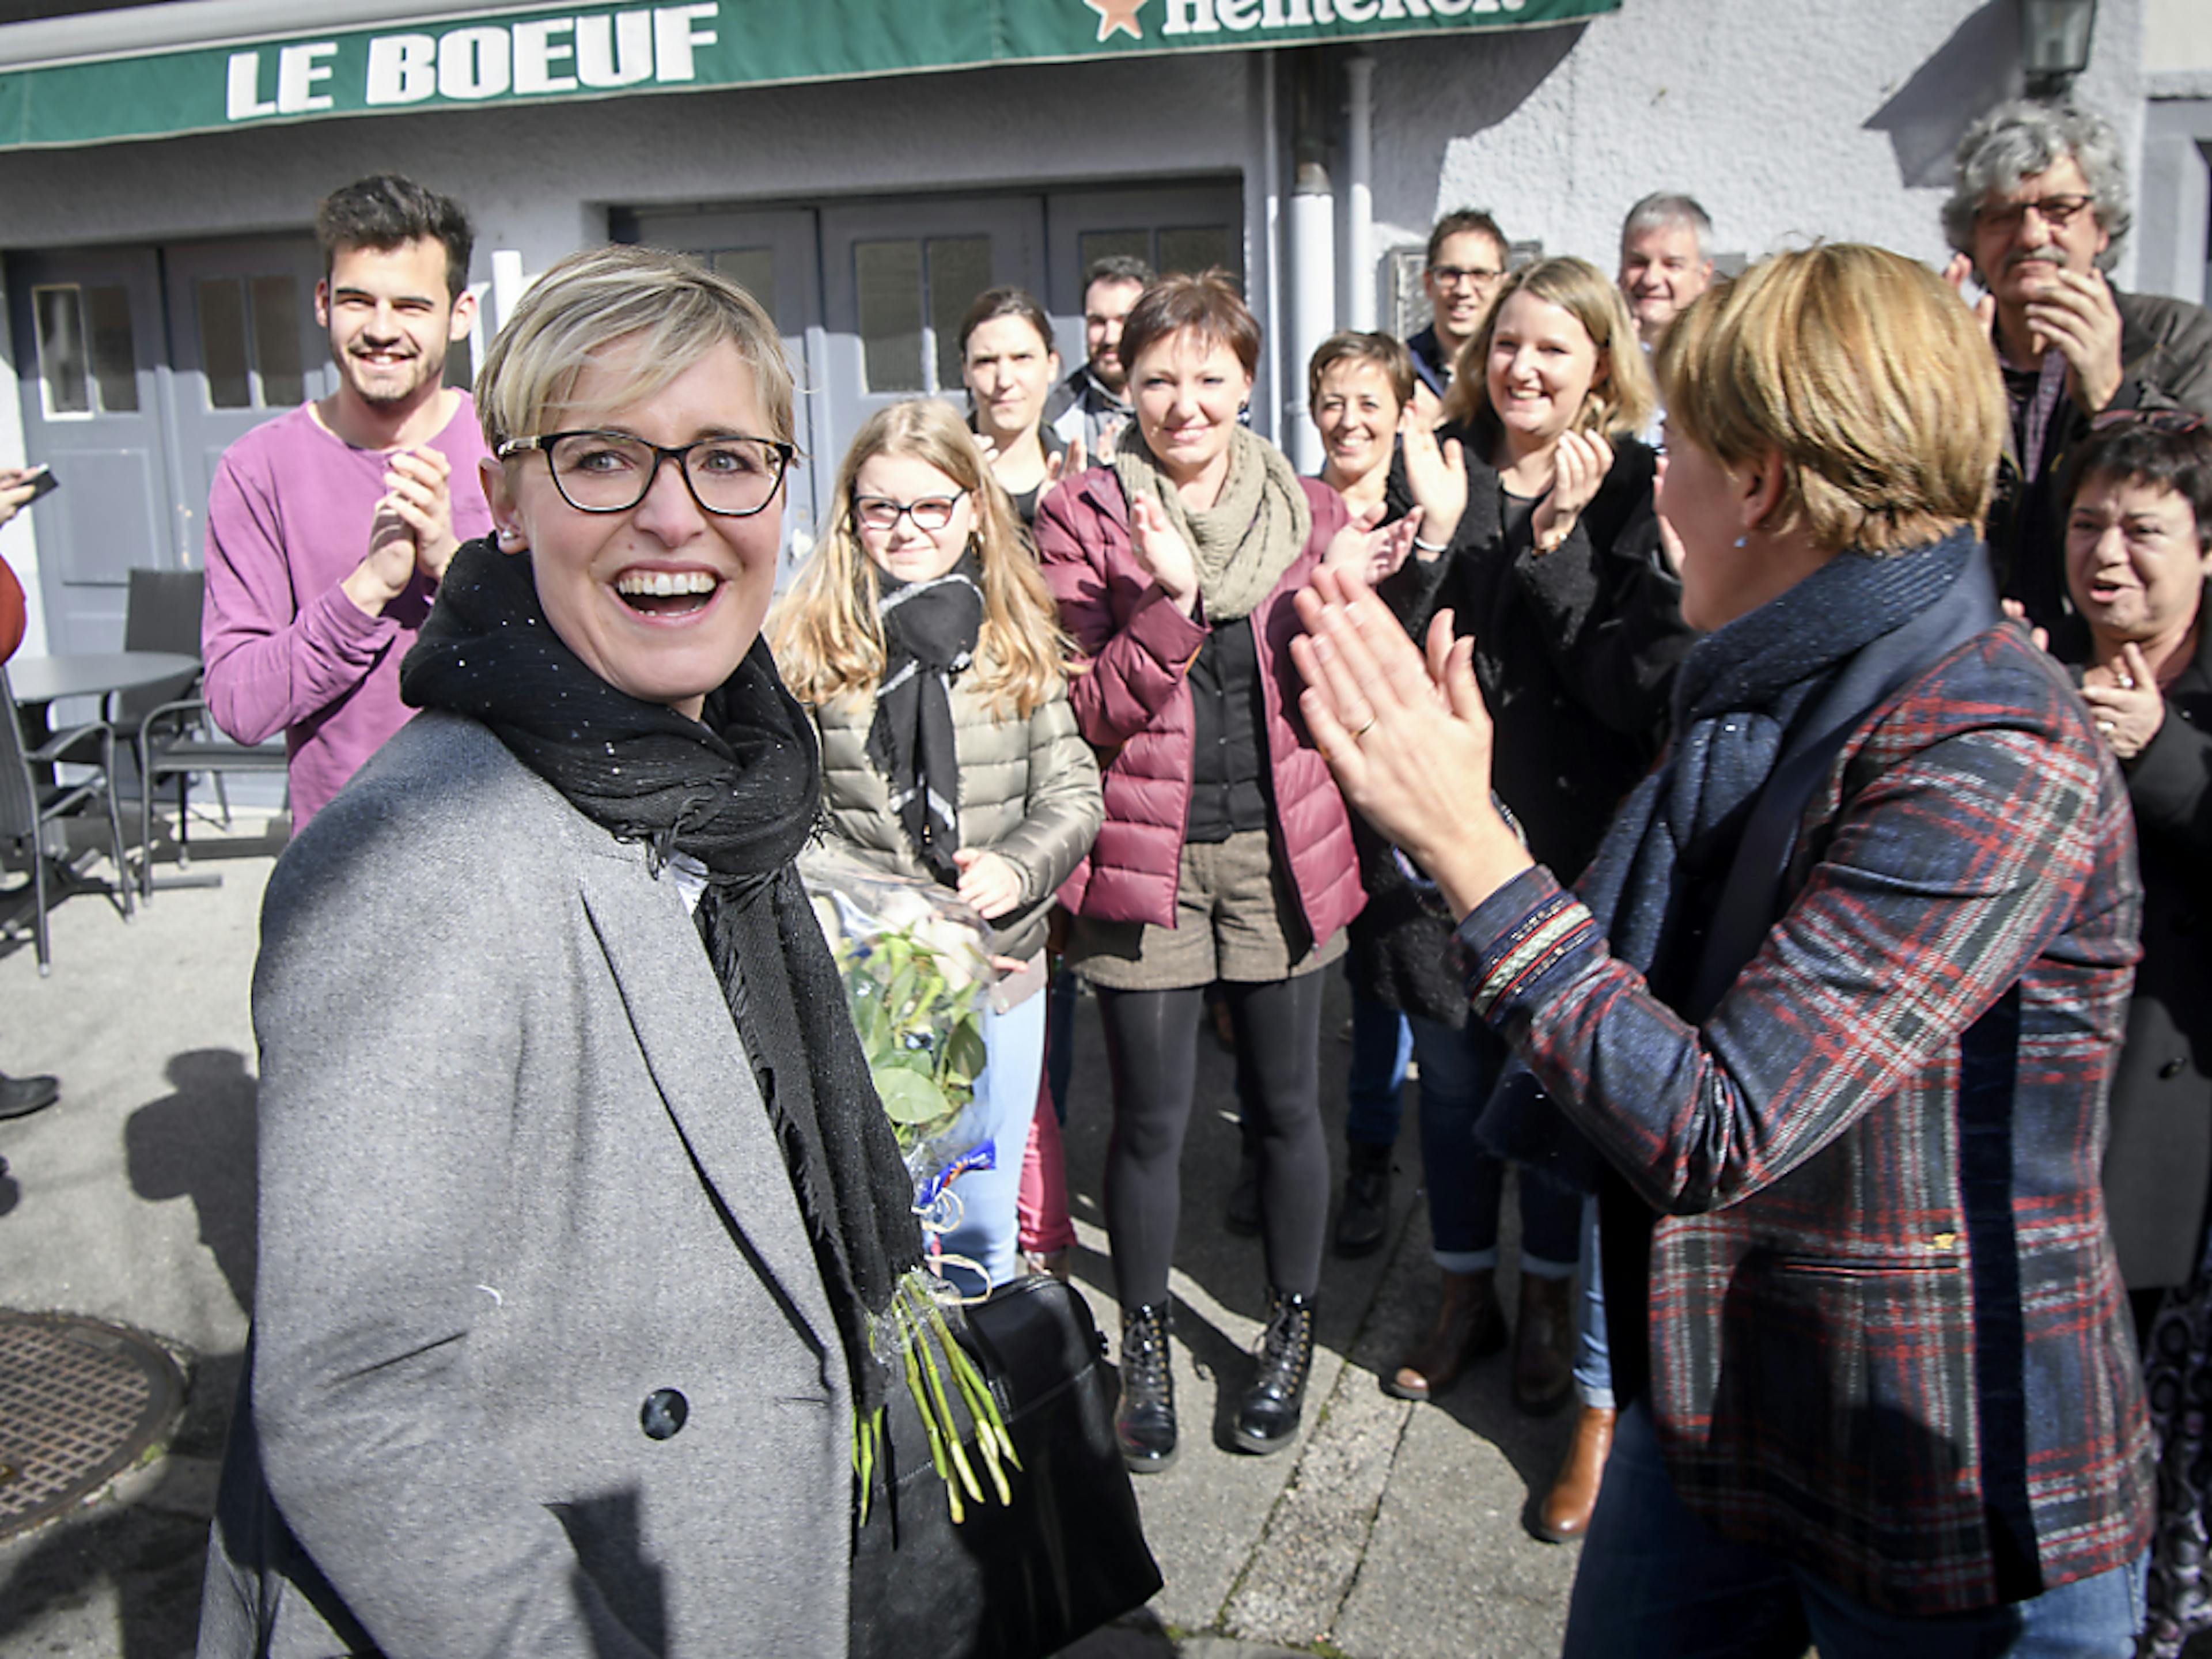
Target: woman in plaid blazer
<point>1863,1291</point>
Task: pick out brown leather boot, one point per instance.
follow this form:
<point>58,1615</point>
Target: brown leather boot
<point>1544,1345</point>
<point>1469,1326</point>
<point>1566,1511</point>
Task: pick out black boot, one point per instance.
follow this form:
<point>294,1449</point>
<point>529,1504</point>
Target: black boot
<point>1267,1416</point>
<point>1365,1215</point>
<point>1145,1421</point>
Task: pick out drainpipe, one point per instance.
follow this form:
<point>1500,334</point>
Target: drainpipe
<point>1271,185</point>
<point>1313,246</point>
<point>1359,212</point>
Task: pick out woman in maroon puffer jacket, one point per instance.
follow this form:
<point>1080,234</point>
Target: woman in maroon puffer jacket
<point>1226,853</point>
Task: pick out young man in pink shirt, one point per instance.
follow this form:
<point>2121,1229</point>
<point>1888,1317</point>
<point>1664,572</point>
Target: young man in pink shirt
<point>329,527</point>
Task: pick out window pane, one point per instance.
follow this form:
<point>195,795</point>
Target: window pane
<point>889,276</point>
<point>276,342</point>
<point>223,342</point>
<point>959,269</point>
<point>752,269</point>
<point>114,357</point>
<point>61,350</point>
<point>1096,245</point>
<point>1198,247</point>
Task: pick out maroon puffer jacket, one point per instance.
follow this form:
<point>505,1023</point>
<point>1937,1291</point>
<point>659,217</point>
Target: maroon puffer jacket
<point>1134,705</point>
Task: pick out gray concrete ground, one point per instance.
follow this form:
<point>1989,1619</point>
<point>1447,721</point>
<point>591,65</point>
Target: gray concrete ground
<point>1390,1531</point>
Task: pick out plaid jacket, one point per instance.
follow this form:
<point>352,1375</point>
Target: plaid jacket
<point>1887,1337</point>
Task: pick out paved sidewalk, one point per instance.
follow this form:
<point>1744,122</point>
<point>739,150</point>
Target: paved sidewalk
<point>1391,1531</point>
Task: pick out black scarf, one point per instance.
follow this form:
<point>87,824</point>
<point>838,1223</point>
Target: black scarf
<point>929,636</point>
<point>737,790</point>
<point>1736,695</point>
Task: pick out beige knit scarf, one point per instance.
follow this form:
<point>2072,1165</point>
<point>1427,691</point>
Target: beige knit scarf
<point>1254,531</point>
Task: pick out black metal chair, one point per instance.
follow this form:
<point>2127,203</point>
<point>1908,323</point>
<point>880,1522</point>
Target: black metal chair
<point>30,801</point>
<point>170,732</point>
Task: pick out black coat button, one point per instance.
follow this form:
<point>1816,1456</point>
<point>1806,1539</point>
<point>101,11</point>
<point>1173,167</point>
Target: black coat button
<point>663,1413</point>
<point>2172,1069</point>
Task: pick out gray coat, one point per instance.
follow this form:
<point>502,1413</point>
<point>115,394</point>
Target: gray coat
<point>515,1180</point>
<point>1029,791</point>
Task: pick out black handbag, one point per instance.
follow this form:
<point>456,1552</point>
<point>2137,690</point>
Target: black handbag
<point>1018,1581</point>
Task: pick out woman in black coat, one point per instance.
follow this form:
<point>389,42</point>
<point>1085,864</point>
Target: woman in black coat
<point>1537,531</point>
<point>2138,534</point>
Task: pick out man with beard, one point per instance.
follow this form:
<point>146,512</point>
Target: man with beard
<point>2037,212</point>
<point>329,527</point>
<point>1092,404</point>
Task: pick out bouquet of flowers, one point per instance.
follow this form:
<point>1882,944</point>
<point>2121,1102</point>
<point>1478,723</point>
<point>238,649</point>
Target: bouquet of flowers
<point>916,976</point>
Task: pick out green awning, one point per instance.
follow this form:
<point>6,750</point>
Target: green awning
<point>543,54</point>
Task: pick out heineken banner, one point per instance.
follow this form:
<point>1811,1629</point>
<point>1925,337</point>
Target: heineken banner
<point>598,51</point>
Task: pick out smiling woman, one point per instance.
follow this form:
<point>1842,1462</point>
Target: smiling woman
<point>585,1274</point>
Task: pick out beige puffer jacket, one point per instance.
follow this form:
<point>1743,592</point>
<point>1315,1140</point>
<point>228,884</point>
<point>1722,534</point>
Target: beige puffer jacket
<point>1029,791</point>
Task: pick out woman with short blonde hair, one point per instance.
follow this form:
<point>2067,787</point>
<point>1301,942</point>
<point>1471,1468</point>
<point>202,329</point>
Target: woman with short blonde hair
<point>584,1235</point>
<point>1836,1006</point>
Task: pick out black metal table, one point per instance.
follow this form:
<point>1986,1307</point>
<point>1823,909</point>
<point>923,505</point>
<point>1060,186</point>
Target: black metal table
<point>39,683</point>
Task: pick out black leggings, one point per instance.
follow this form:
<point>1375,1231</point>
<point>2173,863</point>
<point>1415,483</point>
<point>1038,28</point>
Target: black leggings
<point>1151,1053</point>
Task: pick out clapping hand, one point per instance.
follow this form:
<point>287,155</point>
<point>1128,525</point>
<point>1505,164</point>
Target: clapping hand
<point>1436,474</point>
<point>417,491</point>
<point>2018,612</point>
<point>1959,273</point>
<point>1670,543</point>
<point>1578,467</point>
<point>1161,551</point>
<point>1407,737</point>
<point>1366,553</point>
<point>2125,700</point>
<point>1066,464</point>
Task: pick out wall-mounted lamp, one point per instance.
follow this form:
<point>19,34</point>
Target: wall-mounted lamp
<point>2054,37</point>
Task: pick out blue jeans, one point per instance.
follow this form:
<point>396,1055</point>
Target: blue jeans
<point>989,1231</point>
<point>1593,1359</point>
<point>1381,1043</point>
<point>1467,1185</point>
<point>1656,1583</point>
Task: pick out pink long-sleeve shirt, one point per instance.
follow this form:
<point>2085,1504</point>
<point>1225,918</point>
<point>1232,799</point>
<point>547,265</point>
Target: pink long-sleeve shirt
<point>289,518</point>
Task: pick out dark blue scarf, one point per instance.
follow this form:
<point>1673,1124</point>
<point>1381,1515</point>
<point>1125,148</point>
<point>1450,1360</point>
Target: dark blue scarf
<point>1736,697</point>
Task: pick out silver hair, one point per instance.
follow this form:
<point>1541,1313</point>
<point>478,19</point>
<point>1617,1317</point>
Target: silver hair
<point>1663,208</point>
<point>2017,141</point>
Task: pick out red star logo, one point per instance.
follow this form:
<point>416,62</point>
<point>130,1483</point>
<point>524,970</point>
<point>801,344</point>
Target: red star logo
<point>1117,14</point>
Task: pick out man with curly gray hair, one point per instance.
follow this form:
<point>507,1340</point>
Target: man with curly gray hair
<point>2038,211</point>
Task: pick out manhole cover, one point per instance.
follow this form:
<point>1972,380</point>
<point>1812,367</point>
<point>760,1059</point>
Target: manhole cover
<point>79,1402</point>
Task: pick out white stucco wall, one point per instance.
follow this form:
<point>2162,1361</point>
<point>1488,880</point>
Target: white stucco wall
<point>1833,119</point>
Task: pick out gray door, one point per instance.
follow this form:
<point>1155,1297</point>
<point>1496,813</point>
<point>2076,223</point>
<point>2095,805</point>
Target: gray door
<point>897,278</point>
<point>139,367</point>
<point>244,348</point>
<point>90,354</point>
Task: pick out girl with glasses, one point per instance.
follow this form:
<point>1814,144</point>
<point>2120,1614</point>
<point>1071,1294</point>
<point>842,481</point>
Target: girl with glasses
<point>924,644</point>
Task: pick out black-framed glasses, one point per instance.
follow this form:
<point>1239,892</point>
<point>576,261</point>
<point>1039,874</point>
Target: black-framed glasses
<point>930,514</point>
<point>731,477</point>
<point>2057,212</point>
<point>1453,276</point>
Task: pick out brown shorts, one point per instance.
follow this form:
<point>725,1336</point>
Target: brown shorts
<point>1236,918</point>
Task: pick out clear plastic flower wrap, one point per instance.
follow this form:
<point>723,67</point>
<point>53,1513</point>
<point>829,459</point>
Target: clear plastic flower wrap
<point>916,964</point>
